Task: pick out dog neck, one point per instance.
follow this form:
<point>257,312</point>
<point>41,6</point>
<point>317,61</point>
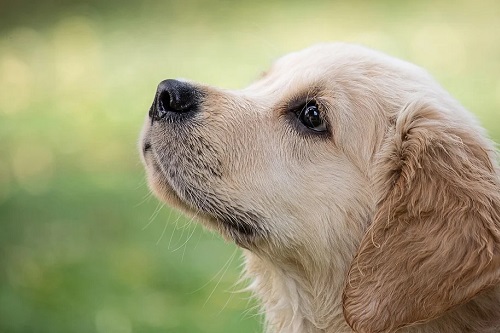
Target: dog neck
<point>300,288</point>
<point>296,300</point>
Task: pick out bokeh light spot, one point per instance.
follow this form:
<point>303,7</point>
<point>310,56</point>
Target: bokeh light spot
<point>22,270</point>
<point>110,320</point>
<point>15,84</point>
<point>33,167</point>
<point>76,50</point>
<point>4,181</point>
<point>445,42</point>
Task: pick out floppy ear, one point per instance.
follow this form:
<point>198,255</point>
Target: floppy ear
<point>434,242</point>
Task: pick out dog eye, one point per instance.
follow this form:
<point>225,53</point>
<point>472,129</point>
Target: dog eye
<point>311,118</point>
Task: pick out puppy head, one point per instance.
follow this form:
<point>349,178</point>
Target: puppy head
<point>278,164</point>
<point>331,142</point>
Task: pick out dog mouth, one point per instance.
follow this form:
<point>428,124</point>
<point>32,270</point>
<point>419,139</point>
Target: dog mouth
<point>227,217</point>
<point>146,148</point>
<point>243,226</point>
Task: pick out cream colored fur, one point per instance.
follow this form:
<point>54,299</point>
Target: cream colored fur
<point>390,222</point>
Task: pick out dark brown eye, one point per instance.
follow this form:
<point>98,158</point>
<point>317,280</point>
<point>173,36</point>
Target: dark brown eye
<point>311,118</point>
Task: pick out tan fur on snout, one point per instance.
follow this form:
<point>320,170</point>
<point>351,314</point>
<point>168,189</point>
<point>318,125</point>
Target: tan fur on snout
<point>387,221</point>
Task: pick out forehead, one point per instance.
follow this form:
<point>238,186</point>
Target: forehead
<point>315,59</point>
<point>326,63</point>
<point>314,65</point>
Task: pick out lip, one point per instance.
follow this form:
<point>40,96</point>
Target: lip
<point>146,147</point>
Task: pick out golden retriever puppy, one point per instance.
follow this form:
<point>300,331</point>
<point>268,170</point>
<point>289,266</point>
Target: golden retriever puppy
<point>365,198</point>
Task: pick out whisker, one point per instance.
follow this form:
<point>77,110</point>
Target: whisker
<point>187,240</point>
<point>163,233</point>
<point>228,261</point>
<point>221,277</point>
<point>225,304</point>
<point>173,230</point>
<point>185,246</point>
<point>146,197</point>
<point>153,216</point>
<point>141,183</point>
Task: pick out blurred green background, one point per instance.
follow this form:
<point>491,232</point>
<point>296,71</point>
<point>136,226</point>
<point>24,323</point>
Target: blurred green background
<point>83,246</point>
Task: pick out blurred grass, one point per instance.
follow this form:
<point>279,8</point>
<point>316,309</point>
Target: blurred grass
<point>83,248</point>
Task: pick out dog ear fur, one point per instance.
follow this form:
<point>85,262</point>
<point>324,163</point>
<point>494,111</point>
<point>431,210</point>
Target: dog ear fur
<point>434,242</point>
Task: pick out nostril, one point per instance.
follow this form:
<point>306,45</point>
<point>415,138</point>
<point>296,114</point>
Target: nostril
<point>174,100</point>
<point>174,96</point>
<point>163,102</point>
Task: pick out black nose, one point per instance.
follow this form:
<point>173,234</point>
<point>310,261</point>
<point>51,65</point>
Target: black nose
<point>174,96</point>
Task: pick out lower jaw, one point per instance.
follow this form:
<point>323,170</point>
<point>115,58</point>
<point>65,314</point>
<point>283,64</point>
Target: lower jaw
<point>243,234</point>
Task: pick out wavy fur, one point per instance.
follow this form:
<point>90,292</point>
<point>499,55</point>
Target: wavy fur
<point>389,221</point>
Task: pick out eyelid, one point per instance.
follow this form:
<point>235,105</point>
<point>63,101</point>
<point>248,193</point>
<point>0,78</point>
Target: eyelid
<point>299,107</point>
<point>300,100</point>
